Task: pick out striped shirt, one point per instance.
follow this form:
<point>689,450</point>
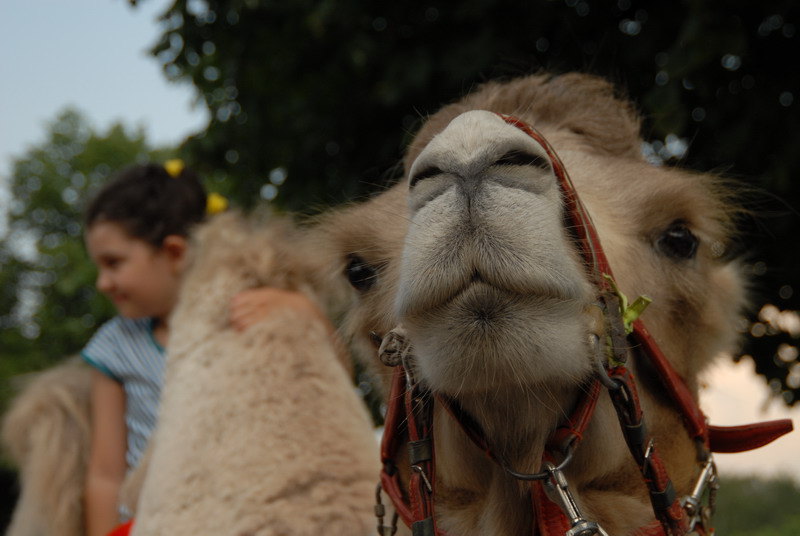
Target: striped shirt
<point>125,350</point>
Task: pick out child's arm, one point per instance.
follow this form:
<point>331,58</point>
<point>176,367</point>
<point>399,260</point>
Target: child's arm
<point>107,464</point>
<point>250,306</point>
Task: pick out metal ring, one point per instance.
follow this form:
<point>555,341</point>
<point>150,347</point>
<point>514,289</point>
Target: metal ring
<point>542,475</point>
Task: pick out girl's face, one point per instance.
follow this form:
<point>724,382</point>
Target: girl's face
<point>140,279</point>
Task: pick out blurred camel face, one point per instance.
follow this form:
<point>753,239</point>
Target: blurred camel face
<point>139,279</point>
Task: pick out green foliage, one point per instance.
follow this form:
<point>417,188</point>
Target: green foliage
<point>748,506</point>
<point>326,94</point>
<point>48,304</point>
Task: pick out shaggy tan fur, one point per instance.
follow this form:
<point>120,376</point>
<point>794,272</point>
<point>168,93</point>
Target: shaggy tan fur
<point>261,432</point>
<point>46,433</point>
<point>405,236</point>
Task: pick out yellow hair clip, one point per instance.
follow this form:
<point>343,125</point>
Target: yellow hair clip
<point>174,167</point>
<point>215,203</point>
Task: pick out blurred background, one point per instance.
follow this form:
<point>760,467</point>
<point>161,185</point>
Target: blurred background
<point>306,104</point>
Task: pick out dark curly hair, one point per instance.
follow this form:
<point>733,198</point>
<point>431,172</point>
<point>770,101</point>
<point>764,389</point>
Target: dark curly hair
<point>149,203</point>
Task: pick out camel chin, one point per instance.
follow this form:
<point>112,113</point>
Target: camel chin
<point>487,259</point>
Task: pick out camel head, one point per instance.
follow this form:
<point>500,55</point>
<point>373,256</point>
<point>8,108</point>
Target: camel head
<point>473,254</point>
<point>470,252</point>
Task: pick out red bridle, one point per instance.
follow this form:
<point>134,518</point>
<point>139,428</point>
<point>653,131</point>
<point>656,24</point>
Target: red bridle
<point>409,419</point>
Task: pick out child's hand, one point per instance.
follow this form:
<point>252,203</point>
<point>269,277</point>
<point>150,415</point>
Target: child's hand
<point>253,305</point>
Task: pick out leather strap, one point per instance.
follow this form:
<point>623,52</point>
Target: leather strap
<point>409,421</point>
<point>663,498</point>
<point>570,432</point>
<point>549,519</point>
<point>747,436</point>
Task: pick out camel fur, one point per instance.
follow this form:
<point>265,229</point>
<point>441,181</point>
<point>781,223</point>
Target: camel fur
<point>469,253</point>
<point>260,433</point>
<point>46,434</point>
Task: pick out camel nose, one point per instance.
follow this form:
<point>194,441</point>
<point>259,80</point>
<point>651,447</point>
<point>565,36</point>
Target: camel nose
<point>476,149</point>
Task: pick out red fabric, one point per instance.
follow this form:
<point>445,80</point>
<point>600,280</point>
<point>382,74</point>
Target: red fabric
<point>122,530</point>
<point>550,520</point>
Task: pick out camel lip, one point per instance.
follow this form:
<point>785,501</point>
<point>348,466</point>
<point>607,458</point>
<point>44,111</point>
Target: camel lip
<point>478,289</point>
<point>539,292</point>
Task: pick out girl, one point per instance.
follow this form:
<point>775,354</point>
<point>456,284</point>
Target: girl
<point>137,231</point>
<point>136,234</point>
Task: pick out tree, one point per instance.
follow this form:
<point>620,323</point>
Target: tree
<point>315,100</point>
<point>750,506</point>
<point>48,304</point>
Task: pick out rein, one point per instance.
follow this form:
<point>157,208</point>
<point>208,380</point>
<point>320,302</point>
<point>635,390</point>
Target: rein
<point>409,418</point>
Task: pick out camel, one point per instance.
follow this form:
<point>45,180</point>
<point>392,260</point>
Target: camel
<point>475,287</point>
<point>475,276</point>
<point>260,433</point>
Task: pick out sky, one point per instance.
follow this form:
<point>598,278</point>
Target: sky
<point>734,395</point>
<point>92,54</point>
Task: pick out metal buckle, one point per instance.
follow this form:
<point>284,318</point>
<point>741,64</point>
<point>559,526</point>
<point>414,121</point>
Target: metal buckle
<point>421,471</point>
<point>557,485</point>
<point>698,513</point>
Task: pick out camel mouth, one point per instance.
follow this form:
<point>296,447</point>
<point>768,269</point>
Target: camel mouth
<point>491,338</point>
<point>486,302</point>
<point>485,294</point>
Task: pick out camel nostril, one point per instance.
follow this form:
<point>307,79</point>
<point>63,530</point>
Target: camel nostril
<point>521,158</point>
<point>424,174</point>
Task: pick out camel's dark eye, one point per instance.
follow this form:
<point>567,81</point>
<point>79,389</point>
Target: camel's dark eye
<point>677,241</point>
<point>360,274</point>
